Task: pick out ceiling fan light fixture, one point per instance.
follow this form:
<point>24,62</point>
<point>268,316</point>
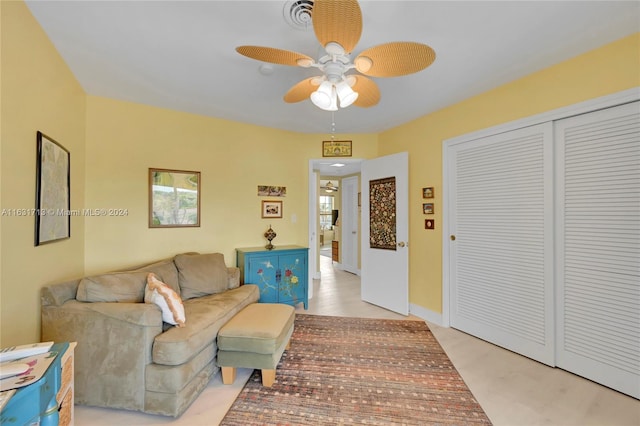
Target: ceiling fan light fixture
<point>329,187</point>
<point>346,94</point>
<point>334,100</point>
<point>322,96</point>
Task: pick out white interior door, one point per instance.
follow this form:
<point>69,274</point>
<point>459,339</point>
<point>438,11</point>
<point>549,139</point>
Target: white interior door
<point>349,225</point>
<point>385,271</point>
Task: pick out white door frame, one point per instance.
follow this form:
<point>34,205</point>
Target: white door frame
<point>313,213</point>
<point>313,272</point>
<point>607,101</point>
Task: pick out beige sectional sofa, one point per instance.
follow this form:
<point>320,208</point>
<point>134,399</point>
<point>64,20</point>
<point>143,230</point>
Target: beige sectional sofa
<point>126,356</point>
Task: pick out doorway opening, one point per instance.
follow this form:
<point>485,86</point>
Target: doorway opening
<point>326,212</point>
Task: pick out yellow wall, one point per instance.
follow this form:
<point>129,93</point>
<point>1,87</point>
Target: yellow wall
<point>38,93</point>
<point>125,139</point>
<point>609,69</point>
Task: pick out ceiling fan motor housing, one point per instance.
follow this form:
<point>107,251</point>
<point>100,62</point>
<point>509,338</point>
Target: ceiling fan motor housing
<point>334,71</point>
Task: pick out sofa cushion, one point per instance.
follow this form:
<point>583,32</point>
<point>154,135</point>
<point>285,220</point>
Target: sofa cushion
<point>57,294</point>
<point>259,328</point>
<point>206,316</point>
<point>113,287</point>
<point>201,274</point>
<point>166,272</point>
<point>234,277</point>
<point>167,300</point>
<point>173,378</point>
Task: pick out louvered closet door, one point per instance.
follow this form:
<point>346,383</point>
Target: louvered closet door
<point>501,261</point>
<point>598,222</point>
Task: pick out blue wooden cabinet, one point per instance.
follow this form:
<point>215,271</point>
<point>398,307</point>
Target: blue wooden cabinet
<point>48,401</point>
<point>281,273</point>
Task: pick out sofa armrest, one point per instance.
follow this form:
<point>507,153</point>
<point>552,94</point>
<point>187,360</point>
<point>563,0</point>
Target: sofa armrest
<point>114,347</point>
<point>57,294</point>
<point>234,277</point>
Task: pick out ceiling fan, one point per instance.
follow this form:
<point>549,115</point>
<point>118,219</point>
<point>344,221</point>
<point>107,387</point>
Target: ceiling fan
<point>338,25</point>
<point>329,187</point>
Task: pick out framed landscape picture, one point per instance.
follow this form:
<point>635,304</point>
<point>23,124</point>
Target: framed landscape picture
<point>272,191</point>
<point>271,209</point>
<point>53,191</point>
<point>174,198</point>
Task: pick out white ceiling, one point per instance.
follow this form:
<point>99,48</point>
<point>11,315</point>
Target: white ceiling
<point>181,54</point>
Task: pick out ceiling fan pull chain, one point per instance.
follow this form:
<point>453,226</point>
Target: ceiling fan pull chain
<point>333,126</point>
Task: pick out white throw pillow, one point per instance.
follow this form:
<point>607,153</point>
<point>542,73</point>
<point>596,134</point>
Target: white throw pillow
<point>168,300</point>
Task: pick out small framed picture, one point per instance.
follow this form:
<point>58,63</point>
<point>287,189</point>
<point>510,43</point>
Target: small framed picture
<point>271,209</point>
<point>429,224</point>
<point>336,148</point>
<point>427,208</point>
<point>427,192</point>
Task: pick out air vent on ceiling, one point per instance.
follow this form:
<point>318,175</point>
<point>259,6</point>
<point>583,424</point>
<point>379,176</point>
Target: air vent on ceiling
<point>298,14</point>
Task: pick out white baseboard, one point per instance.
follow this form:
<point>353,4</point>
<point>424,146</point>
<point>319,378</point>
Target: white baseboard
<point>425,314</point>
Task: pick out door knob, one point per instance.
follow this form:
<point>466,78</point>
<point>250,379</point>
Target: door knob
<point>401,244</point>
<point>452,237</point>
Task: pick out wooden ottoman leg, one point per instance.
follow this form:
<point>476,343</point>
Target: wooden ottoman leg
<point>228,375</point>
<point>268,377</point>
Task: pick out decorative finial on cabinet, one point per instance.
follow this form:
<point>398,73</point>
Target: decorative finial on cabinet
<point>270,235</point>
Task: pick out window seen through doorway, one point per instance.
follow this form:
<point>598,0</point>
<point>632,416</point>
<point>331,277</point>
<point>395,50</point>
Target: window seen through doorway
<point>326,206</point>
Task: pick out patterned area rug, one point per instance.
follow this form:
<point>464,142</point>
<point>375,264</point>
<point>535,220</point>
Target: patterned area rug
<point>359,371</point>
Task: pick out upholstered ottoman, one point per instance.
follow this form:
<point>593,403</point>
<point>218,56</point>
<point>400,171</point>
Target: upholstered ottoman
<point>255,338</point>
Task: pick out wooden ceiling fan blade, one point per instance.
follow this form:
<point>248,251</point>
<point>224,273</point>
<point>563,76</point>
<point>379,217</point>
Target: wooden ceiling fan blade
<point>394,59</point>
<point>338,21</point>
<point>302,90</point>
<point>368,92</point>
<point>274,56</point>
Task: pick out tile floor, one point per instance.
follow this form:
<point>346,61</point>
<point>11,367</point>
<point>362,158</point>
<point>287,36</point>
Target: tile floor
<point>513,390</point>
